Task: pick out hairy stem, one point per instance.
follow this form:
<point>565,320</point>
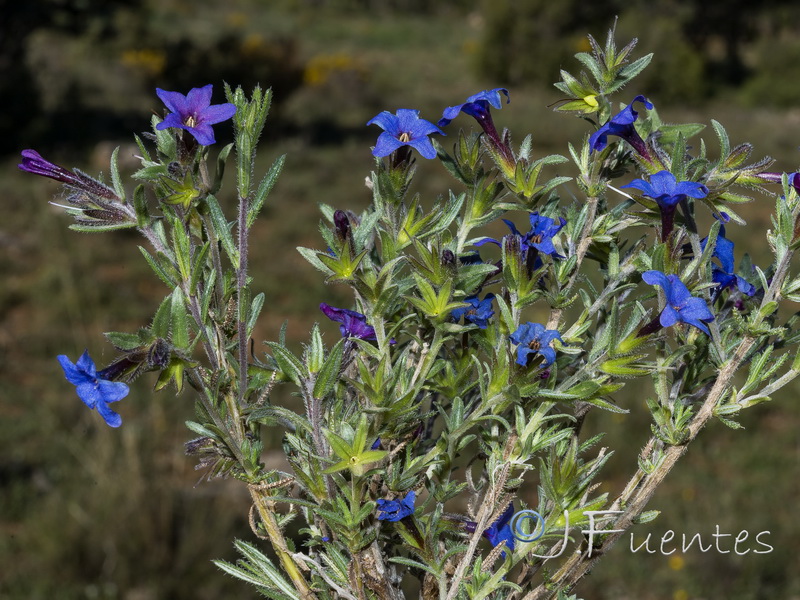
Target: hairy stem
<point>265,508</point>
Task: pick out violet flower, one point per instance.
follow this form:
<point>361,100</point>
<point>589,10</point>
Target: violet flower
<point>771,177</point>
<point>405,128</point>
<point>96,393</point>
<point>394,510</point>
<point>668,192</point>
<point>32,162</point>
<point>533,338</point>
<point>353,324</point>
<point>622,126</point>
<point>194,113</point>
<point>478,313</point>
<point>681,306</point>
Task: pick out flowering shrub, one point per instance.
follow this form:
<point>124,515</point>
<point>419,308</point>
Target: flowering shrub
<point>459,376</point>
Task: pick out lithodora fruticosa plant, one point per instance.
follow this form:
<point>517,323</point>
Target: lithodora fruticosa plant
<point>467,364</point>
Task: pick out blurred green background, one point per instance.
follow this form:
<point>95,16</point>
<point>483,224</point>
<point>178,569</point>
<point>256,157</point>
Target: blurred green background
<point>89,512</point>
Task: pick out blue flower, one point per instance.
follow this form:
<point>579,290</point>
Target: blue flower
<point>621,125</point>
<point>533,338</point>
<point>194,112</point>
<point>405,128</point>
<point>725,275</point>
<point>94,391</point>
<point>539,237</point>
<point>479,312</point>
<point>500,530</point>
<point>476,106</point>
<point>666,190</point>
<point>394,510</point>
<point>681,306</point>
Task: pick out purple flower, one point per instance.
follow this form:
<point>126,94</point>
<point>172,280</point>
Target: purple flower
<point>771,177</point>
<point>194,112</point>
<point>539,237</point>
<point>533,338</point>
<point>478,313</point>
<point>353,324</point>
<point>476,106</point>
<point>621,125</point>
<point>94,391</point>
<point>500,530</point>
<point>725,275</point>
<point>32,162</point>
<point>405,128</point>
<point>681,306</point>
<point>668,192</point>
<point>394,510</point>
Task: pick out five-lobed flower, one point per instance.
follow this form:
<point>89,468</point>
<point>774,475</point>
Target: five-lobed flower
<point>540,237</point>
<point>681,306</point>
<point>405,128</point>
<point>395,510</point>
<point>668,192</point>
<point>622,125</point>
<point>194,112</point>
<point>96,392</point>
<point>476,106</point>
<point>532,339</point>
<point>478,312</point>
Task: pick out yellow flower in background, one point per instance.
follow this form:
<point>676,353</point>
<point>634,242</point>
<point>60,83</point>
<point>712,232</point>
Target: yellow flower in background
<point>322,66</point>
<point>151,62</point>
<point>676,563</point>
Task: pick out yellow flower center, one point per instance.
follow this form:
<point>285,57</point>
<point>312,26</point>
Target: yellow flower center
<point>190,121</point>
<point>534,345</point>
<point>404,137</point>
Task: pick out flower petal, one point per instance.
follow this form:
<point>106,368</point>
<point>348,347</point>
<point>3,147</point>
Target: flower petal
<point>386,144</point>
<point>198,99</point>
<point>111,418</point>
<point>386,121</point>
<point>424,146</point>
<point>174,101</point>
<point>218,113</point>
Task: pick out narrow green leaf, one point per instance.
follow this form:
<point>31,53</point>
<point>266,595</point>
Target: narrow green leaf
<point>182,247</point>
<point>329,371</point>
<point>179,323</point>
<point>115,178</point>
<point>264,189</point>
<point>255,309</point>
<point>223,230</point>
<point>163,318</point>
<point>315,354</point>
<point>140,206</point>
<point>287,362</point>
